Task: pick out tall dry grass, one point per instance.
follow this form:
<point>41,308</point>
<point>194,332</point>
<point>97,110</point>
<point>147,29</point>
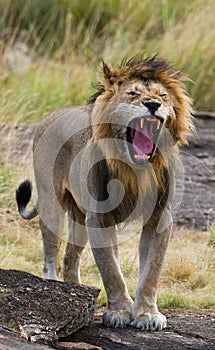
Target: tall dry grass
<point>187,280</point>
<point>67,40</point>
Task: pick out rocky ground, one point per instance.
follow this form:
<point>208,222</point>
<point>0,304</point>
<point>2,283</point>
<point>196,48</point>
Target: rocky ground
<point>195,199</point>
<point>198,203</point>
<point>186,330</point>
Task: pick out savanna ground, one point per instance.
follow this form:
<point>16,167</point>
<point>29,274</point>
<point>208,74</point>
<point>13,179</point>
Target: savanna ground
<point>50,52</point>
<point>188,277</point>
<point>186,293</point>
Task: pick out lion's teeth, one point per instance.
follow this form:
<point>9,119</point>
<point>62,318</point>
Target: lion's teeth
<point>158,124</point>
<point>139,157</point>
<point>142,123</point>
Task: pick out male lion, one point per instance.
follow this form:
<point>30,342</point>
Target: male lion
<point>108,163</point>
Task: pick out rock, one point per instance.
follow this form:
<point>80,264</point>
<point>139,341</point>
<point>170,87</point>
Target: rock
<point>43,310</point>
<point>203,114</point>
<point>196,181</point>
<point>9,340</point>
<point>186,330</point>
<point>16,143</point>
<point>77,346</point>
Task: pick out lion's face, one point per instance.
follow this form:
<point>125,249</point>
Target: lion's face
<point>141,105</point>
<point>149,108</point>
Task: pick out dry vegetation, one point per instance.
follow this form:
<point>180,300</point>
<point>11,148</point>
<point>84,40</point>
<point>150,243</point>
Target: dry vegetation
<point>187,280</point>
<point>66,41</point>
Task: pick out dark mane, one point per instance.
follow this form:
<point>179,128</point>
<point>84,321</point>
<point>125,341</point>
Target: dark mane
<point>100,89</point>
<point>140,67</point>
<point>137,67</point>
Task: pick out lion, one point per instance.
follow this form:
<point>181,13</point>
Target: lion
<point>107,163</point>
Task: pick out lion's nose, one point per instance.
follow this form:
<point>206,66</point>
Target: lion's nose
<point>152,105</point>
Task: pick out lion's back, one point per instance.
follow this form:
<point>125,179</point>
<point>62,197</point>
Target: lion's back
<point>63,124</point>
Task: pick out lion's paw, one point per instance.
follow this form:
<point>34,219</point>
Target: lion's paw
<point>150,322</point>
<point>116,318</point>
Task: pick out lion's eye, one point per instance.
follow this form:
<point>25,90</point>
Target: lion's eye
<point>133,93</point>
<point>163,95</point>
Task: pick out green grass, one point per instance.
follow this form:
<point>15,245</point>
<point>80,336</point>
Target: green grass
<point>187,280</point>
<point>69,39</point>
<point>212,235</point>
<point>209,303</point>
<point>173,301</point>
<point>42,91</point>
<point>5,186</point>
<point>4,180</point>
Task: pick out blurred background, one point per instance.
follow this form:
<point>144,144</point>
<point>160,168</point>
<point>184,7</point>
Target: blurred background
<point>55,48</point>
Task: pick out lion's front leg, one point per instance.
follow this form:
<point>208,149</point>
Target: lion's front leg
<point>103,243</point>
<point>152,251</point>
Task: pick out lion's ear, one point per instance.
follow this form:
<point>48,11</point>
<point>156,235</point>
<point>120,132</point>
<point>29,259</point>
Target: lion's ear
<point>108,76</point>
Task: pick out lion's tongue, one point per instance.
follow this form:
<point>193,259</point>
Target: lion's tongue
<point>142,144</point>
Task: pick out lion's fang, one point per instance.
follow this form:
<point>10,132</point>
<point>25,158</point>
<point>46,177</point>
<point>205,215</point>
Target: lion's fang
<point>142,123</point>
<point>158,124</point>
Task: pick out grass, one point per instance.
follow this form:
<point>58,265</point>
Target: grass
<point>172,300</point>
<point>212,235</point>
<point>34,100</point>
<point>69,39</point>
<point>187,280</point>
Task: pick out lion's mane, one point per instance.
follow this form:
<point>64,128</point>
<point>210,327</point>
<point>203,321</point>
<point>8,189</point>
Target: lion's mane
<point>179,127</point>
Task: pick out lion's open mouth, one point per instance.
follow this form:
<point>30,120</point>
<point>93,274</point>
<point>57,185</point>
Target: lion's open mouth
<point>142,136</point>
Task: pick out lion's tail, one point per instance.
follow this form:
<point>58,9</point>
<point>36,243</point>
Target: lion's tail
<point>23,196</point>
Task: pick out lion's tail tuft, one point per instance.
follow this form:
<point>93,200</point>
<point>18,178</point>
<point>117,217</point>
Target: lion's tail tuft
<point>23,196</point>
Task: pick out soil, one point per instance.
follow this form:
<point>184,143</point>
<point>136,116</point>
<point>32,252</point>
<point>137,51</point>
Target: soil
<point>186,330</point>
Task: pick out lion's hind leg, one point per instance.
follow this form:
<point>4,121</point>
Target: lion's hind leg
<point>77,240</point>
<point>51,246</point>
<point>52,217</point>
